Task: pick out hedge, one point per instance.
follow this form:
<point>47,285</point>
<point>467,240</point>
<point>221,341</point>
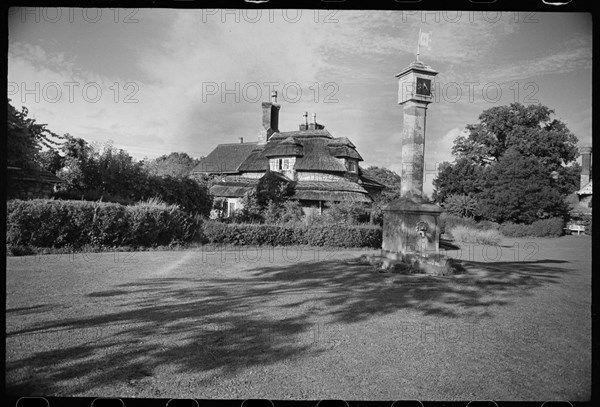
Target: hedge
<point>75,224</point>
<point>551,227</point>
<point>293,234</point>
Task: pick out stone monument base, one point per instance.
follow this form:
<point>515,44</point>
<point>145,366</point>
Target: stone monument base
<point>411,227</point>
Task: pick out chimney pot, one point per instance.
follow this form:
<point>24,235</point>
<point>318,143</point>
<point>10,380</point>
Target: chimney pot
<point>314,116</point>
<point>274,96</point>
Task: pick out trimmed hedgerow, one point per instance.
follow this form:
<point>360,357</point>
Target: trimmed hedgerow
<point>75,224</point>
<point>292,234</point>
<point>551,227</point>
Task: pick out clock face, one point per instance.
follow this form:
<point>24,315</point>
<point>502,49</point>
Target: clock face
<point>423,87</point>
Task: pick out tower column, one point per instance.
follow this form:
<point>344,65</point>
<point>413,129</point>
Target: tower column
<point>586,161</point>
<point>413,149</point>
<point>411,225</point>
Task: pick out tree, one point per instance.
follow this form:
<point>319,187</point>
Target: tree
<point>26,139</point>
<point>568,179</point>
<point>384,176</point>
<point>461,178</point>
<point>392,182</point>
<point>176,165</point>
<point>464,206</point>
<point>493,161</point>
<point>519,189</point>
<point>273,187</point>
<point>527,129</point>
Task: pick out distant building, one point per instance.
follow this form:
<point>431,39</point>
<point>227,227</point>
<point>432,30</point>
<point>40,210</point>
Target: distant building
<point>30,183</point>
<point>581,201</point>
<point>321,167</point>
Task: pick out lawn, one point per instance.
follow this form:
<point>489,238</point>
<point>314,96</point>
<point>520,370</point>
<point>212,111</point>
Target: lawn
<point>302,324</point>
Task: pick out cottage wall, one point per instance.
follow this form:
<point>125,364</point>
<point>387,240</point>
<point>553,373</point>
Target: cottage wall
<point>291,173</point>
<point>255,175</point>
<point>317,176</point>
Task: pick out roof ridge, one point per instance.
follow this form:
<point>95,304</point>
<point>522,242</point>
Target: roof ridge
<point>229,144</point>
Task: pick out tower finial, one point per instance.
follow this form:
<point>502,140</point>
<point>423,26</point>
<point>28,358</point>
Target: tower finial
<point>419,45</point>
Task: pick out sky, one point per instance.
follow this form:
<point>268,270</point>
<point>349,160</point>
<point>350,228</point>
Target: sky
<point>156,81</point>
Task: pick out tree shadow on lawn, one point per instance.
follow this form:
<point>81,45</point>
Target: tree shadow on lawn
<point>215,327</point>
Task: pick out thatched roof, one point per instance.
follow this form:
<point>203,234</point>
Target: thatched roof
<point>225,158</point>
<point>302,133</point>
<point>586,190</point>
<point>281,148</point>
<point>255,162</point>
<point>343,190</point>
<point>310,195</point>
<point>370,183</point>
<point>317,156</point>
<point>315,150</point>
<point>26,174</point>
<point>233,187</point>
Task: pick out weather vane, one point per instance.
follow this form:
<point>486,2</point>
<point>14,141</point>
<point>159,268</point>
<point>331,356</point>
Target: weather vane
<point>424,40</point>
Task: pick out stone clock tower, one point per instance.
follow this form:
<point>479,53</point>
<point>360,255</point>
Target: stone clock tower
<point>414,94</point>
<point>411,224</point>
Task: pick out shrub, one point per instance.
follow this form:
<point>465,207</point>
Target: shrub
<point>471,235</point>
<point>293,234</point>
<point>346,213</point>
<point>280,214</point>
<point>448,222</point>
<point>552,227</point>
<point>75,224</point>
<point>461,205</point>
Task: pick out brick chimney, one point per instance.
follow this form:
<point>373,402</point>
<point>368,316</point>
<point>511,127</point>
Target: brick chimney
<point>270,119</point>
<point>304,124</point>
<point>586,161</point>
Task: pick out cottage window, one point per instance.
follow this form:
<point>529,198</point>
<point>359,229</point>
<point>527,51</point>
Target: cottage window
<point>231,208</point>
<point>351,166</point>
<point>284,164</point>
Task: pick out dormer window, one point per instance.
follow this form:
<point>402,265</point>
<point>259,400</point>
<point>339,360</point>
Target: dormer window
<point>351,166</point>
<point>283,164</point>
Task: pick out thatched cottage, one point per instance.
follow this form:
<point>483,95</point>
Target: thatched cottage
<point>323,168</point>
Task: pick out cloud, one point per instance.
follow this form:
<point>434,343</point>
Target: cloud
<point>172,56</point>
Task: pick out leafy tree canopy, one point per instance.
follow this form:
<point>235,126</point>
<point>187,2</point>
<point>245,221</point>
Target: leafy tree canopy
<point>273,187</point>
<point>518,189</point>
<point>176,165</point>
<point>530,130</point>
<point>462,178</point>
<point>516,164</point>
<point>384,176</point>
<point>26,139</point>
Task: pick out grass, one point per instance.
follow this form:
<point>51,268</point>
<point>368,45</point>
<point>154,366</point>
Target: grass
<point>282,323</point>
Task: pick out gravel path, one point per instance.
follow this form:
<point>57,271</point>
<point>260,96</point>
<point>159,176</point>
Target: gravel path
<point>302,324</point>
